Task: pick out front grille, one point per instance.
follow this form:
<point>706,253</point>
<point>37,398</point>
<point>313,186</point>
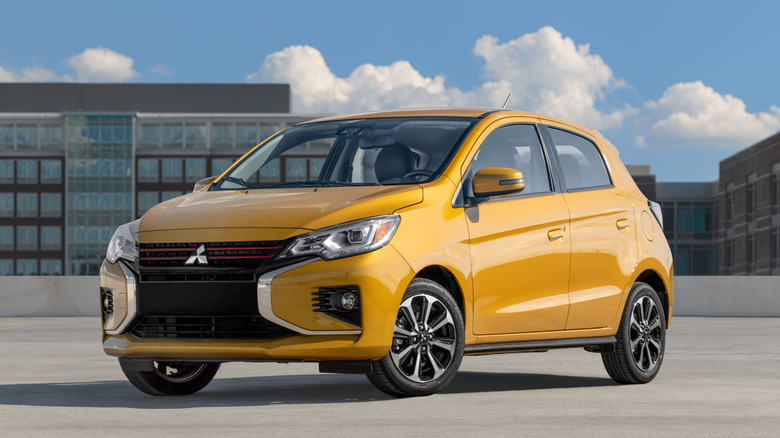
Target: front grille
<point>208,327</point>
<point>211,254</point>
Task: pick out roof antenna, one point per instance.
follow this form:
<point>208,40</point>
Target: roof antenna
<point>507,100</point>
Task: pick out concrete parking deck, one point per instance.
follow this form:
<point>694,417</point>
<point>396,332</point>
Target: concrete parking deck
<point>720,378</point>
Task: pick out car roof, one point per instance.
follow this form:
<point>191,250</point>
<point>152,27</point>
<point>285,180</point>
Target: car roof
<point>455,112</point>
<point>420,112</point>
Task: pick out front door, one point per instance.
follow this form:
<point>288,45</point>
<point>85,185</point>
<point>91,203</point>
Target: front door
<point>519,243</point>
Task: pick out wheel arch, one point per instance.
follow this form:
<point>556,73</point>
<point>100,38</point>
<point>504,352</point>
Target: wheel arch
<point>447,280</point>
<point>654,279</point>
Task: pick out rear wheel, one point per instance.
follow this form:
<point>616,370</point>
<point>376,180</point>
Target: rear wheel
<point>641,338</point>
<point>428,343</point>
<point>172,378</point>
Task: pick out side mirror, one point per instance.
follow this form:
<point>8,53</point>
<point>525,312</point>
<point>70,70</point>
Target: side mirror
<point>497,181</point>
<point>204,183</point>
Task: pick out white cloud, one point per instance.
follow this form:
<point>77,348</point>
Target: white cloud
<point>544,71</point>
<point>161,70</point>
<point>102,65</point>
<point>693,113</point>
<point>32,74</point>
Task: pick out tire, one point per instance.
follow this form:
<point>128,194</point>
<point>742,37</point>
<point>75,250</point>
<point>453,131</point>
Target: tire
<point>172,378</point>
<point>641,338</point>
<point>428,343</point>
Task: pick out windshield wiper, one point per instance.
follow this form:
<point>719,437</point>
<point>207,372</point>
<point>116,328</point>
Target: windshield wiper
<point>238,181</point>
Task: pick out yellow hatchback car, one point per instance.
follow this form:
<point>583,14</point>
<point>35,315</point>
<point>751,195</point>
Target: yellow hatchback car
<point>396,243</point>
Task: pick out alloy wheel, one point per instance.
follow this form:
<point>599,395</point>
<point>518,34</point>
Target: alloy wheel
<point>424,339</point>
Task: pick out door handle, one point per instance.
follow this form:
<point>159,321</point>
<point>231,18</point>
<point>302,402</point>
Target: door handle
<point>555,236</point>
<point>622,224</point>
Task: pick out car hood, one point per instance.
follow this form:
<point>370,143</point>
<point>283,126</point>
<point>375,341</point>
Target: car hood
<point>291,209</point>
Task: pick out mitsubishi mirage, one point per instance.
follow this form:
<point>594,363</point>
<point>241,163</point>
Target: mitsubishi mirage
<point>392,244</point>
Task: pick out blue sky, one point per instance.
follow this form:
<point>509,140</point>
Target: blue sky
<point>677,85</point>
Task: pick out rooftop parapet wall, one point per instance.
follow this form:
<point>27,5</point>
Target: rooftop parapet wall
<point>754,296</point>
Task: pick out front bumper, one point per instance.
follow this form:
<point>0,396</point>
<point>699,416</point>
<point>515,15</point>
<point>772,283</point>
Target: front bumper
<point>284,297</point>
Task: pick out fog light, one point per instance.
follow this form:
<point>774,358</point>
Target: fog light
<point>344,301</point>
<point>348,301</point>
<point>107,302</point>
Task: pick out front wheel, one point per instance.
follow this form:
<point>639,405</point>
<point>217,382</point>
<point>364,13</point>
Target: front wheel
<point>172,378</point>
<point>641,338</point>
<point>428,343</point>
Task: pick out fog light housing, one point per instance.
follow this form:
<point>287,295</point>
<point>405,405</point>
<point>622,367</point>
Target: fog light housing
<point>341,302</point>
<point>107,301</point>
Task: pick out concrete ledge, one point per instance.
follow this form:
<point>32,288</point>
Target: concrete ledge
<point>49,296</point>
<point>727,296</point>
<point>694,296</point>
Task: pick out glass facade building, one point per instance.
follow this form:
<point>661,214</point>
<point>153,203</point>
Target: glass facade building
<point>69,178</point>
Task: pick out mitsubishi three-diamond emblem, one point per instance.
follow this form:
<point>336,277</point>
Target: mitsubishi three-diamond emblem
<point>198,257</point>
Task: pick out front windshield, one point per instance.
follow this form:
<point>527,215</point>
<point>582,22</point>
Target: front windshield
<point>401,150</point>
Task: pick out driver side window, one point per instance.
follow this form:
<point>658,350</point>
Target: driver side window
<point>516,147</point>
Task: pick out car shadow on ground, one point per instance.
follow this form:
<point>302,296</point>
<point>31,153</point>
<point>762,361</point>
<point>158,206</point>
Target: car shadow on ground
<point>273,390</point>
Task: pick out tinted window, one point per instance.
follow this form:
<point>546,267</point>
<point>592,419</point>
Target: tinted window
<point>581,162</point>
<point>516,147</point>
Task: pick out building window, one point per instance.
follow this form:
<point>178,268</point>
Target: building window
<point>728,256</point>
<point>684,217</point>
<point>222,135</point>
<point>27,172</point>
<point>6,265</point>
<point>26,136</point>
<point>26,205</point>
<point>194,169</point>
<point>6,172</point>
<point>50,136</point>
<point>149,135</point>
<point>750,197</point>
<point>147,200</point>
<point>6,136</point>
<point>51,267</point>
<point>148,170</point>
<point>268,129</point>
<point>51,172</point>
<point>219,165</point>
<point>170,195</point>
<point>172,135</point>
<point>728,207</point>
<point>26,238</point>
<point>195,135</point>
<point>26,267</point>
<point>774,247</point>
<point>774,192</point>
<point>682,261</point>
<point>750,253</point>
<point>246,135</point>
<point>51,205</point>
<point>6,238</point>
<point>171,170</point>
<point>51,238</point>
<point>6,205</point>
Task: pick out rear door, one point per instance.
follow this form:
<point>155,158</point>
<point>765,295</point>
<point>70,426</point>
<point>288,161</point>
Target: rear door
<point>603,240</point>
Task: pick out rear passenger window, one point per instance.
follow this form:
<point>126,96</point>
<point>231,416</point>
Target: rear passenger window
<point>581,161</point>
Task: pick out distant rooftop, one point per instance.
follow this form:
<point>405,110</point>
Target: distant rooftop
<point>667,190</point>
<point>152,98</point>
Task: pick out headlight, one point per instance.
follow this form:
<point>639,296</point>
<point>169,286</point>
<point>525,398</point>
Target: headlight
<point>123,244</point>
<point>345,240</point>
